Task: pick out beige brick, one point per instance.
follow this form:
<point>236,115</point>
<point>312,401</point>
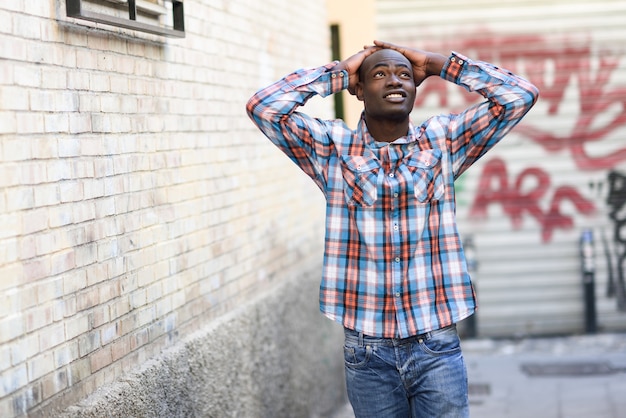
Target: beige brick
<point>69,306</point>
<point>53,383</point>
<point>19,198</point>
<point>47,195</point>
<point>49,290</point>
<point>51,336</point>
<point>6,407</point>
<point>23,348</point>
<point>38,317</point>
<point>71,191</point>
<point>77,80</point>
<point>74,281</point>
<point>119,307</point>
<point>99,316</point>
<point>65,354</point>
<point>59,215</point>
<point>89,342</point>
<point>8,122</point>
<point>69,147</point>
<point>96,273</point>
<point>26,26</point>
<point>11,327</point>
<point>59,170</point>
<point>13,98</point>
<point>36,269</point>
<point>46,242</point>
<point>101,358</point>
<point>54,79</point>
<point>40,9</point>
<point>99,82</point>
<point>87,298</point>
<point>108,291</point>
<point>9,302</point>
<point>120,348</point>
<point>56,122</point>
<point>34,221</point>
<point>62,261</point>
<point>139,339</point>
<point>14,150</point>
<point>13,380</point>
<point>76,325</point>
<point>83,211</point>
<point>86,254</point>
<point>79,123</point>
<point>27,76</point>
<point>32,173</point>
<point>43,148</point>
<point>40,365</point>
<point>79,370</point>
<point>108,333</point>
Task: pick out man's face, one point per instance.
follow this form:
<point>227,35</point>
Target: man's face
<point>386,85</point>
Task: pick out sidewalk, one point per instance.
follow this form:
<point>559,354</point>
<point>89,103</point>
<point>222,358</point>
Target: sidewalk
<point>565,377</point>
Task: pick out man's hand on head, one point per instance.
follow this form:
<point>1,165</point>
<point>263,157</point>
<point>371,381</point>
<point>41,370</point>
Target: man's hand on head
<point>352,65</point>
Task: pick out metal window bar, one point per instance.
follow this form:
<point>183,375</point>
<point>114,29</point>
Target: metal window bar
<point>74,9</point>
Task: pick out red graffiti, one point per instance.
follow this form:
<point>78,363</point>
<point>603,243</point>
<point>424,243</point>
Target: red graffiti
<point>582,107</point>
<point>495,188</point>
<point>554,66</point>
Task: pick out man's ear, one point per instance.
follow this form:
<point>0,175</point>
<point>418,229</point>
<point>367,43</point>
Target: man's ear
<point>358,90</point>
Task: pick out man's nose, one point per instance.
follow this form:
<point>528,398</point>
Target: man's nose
<point>394,80</point>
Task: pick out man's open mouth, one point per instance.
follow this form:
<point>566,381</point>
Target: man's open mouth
<point>395,96</point>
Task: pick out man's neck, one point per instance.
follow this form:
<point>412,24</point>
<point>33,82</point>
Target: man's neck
<point>387,130</point>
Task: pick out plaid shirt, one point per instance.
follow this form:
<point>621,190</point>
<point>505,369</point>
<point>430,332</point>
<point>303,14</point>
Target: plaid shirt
<point>393,261</point>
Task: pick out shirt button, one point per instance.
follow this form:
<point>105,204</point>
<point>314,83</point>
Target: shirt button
<point>397,294</point>
<point>390,174</point>
<point>397,259</point>
<point>395,227</point>
<point>395,195</point>
<point>333,75</point>
<point>461,62</point>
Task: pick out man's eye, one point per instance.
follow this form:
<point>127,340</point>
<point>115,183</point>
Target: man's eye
<point>406,74</point>
<point>379,74</point>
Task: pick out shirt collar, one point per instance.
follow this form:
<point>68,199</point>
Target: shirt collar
<point>363,132</point>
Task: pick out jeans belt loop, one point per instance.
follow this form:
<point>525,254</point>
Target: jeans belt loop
<point>360,339</point>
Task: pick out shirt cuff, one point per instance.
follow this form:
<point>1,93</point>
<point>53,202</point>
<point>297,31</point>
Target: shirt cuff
<point>453,68</point>
<point>338,79</point>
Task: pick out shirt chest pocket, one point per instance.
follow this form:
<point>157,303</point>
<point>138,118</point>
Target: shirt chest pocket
<point>425,168</point>
<point>360,176</point>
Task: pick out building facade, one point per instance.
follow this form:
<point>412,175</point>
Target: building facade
<point>156,252</point>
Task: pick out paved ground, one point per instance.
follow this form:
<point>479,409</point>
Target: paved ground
<point>566,377</point>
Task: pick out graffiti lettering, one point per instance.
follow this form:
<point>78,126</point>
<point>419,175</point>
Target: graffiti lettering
<point>496,188</point>
<point>569,64</point>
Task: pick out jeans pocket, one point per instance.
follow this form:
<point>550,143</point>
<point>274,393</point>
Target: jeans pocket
<point>356,356</point>
<point>360,175</point>
<point>442,342</point>
<point>425,168</point>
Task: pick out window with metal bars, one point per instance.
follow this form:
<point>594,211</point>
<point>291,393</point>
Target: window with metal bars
<point>151,16</point>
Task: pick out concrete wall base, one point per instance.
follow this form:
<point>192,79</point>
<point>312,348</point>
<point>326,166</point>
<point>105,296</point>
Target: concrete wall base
<point>277,356</point>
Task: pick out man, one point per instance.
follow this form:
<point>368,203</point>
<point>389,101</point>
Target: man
<point>394,271</point>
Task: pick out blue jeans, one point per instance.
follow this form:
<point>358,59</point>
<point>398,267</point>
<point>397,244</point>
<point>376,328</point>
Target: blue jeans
<point>420,376</point>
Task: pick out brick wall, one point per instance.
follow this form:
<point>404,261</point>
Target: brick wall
<point>137,201</point>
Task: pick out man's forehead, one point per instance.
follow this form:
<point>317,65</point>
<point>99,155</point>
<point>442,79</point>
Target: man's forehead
<point>383,57</point>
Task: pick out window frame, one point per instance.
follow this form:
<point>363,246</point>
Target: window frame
<point>74,8</point>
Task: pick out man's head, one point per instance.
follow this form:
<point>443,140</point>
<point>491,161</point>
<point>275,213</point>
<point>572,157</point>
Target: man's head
<point>386,85</point>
